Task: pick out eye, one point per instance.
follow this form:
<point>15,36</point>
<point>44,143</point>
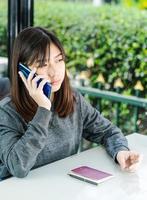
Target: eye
<point>59,60</point>
<point>44,65</point>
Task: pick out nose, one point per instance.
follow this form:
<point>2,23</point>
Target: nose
<point>51,69</point>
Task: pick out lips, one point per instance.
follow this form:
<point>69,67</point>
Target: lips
<point>55,82</point>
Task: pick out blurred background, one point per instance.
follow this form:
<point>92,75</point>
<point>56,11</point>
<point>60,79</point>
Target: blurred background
<point>106,48</point>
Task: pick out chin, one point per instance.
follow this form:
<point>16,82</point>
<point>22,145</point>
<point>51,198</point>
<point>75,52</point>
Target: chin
<point>56,88</point>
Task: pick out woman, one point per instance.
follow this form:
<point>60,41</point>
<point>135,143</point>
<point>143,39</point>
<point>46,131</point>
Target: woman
<point>36,130</point>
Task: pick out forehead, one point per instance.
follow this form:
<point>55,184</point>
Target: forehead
<point>52,50</point>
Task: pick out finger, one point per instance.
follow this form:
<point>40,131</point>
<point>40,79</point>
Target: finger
<point>138,159</point>
<point>36,80</point>
<point>133,153</point>
<point>42,83</point>
<point>30,77</point>
<point>133,167</point>
<point>23,78</point>
<point>122,163</point>
<point>134,157</point>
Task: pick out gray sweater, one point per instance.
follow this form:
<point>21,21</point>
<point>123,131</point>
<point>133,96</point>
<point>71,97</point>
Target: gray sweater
<point>48,137</point>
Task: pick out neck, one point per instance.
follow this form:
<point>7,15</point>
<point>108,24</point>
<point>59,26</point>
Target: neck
<point>52,97</point>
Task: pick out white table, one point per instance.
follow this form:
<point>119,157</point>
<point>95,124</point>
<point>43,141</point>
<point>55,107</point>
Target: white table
<point>51,182</point>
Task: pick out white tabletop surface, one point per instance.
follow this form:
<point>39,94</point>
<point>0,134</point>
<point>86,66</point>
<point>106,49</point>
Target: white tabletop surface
<point>51,182</point>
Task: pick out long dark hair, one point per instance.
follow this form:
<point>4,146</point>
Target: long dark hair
<point>31,44</point>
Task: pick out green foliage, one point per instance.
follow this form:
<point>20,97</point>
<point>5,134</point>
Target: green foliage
<point>3,28</point>
<point>116,38</point>
<point>142,4</point>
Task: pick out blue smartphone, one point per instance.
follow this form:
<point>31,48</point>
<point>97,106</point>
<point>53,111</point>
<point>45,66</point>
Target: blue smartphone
<point>26,71</point>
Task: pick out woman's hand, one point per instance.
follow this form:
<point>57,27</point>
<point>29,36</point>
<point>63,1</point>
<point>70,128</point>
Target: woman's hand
<point>128,160</point>
<point>36,92</point>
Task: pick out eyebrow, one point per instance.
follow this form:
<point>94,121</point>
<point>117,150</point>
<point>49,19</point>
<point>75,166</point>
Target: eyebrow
<point>60,54</point>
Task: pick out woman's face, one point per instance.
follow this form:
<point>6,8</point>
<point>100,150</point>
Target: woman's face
<point>53,68</point>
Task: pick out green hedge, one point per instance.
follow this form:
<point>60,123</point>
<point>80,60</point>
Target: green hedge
<point>114,37</point>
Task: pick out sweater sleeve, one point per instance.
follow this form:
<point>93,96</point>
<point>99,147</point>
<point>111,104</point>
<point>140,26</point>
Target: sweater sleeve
<point>98,129</point>
<point>18,151</point>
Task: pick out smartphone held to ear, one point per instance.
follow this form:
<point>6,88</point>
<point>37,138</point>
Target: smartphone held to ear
<point>26,71</point>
